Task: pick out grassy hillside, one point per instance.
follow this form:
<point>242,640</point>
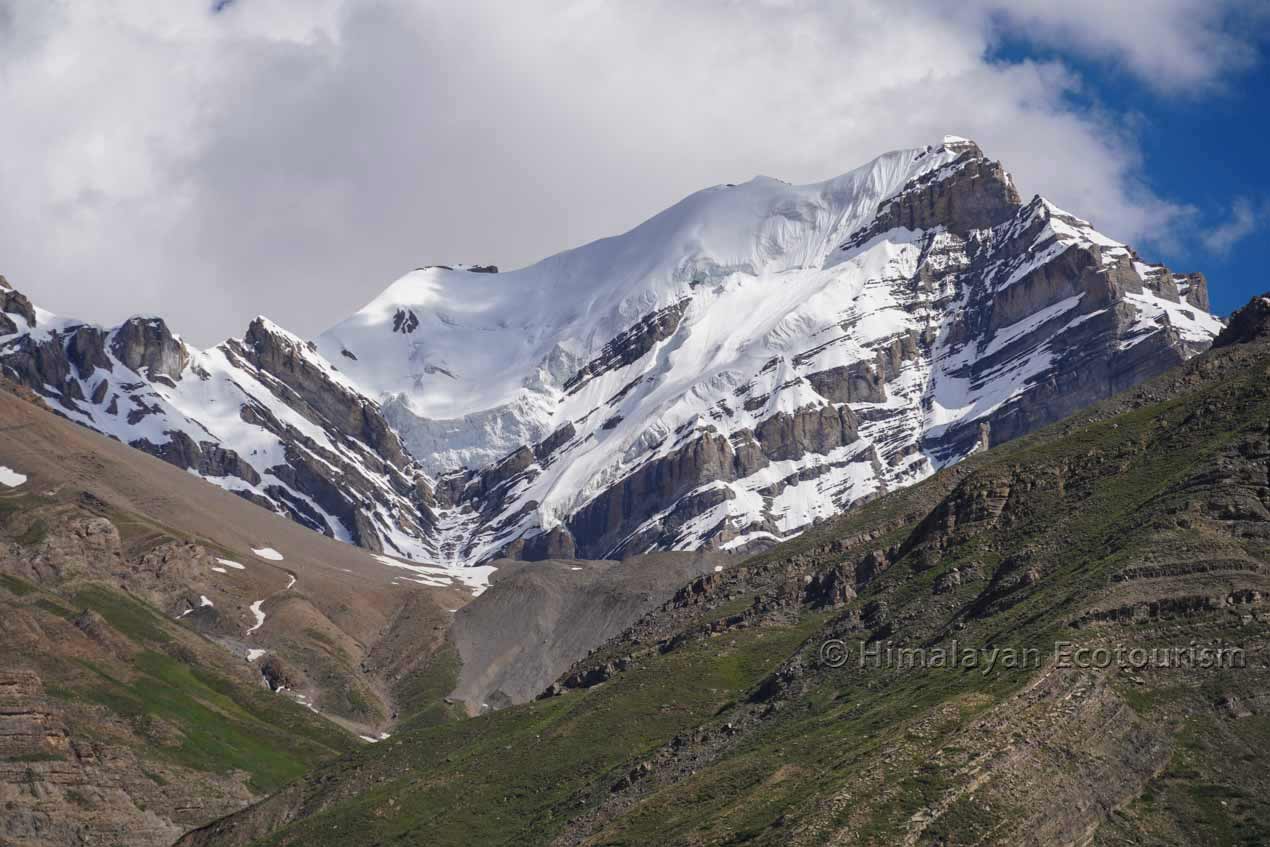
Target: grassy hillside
<point>719,719</point>
<point>116,722</point>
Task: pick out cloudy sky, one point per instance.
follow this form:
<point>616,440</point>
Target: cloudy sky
<point>210,160</point>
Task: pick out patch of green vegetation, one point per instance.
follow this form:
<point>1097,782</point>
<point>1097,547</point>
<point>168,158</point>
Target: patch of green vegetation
<point>421,695</point>
<point>134,619</point>
<point>35,757</point>
<point>967,821</point>
<point>15,586</point>
<point>139,534</point>
<point>78,799</point>
<point>218,727</point>
<point>12,504</point>
<point>192,716</point>
<point>55,608</point>
<point>354,701</point>
<point>320,637</point>
<point>34,534</point>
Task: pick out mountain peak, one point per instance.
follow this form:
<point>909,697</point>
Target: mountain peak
<point>958,144</point>
<point>724,374</point>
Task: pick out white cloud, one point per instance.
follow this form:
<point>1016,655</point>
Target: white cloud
<point>293,159</point>
<point>1178,46</point>
<point>1244,220</point>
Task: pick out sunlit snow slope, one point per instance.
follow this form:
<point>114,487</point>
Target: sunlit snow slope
<point>737,305</point>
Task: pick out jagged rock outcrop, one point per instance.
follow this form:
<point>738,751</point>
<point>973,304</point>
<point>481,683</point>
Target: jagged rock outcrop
<point>147,346</point>
<point>631,345</point>
<point>316,392</point>
<point>207,458</point>
<point>980,195</point>
<point>16,304</point>
<point>1248,324</point>
<point>855,383</point>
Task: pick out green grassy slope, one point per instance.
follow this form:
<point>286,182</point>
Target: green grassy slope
<point>161,683</point>
<point>1142,523</point>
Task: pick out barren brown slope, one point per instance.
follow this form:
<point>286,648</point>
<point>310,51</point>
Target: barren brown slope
<point>539,618</point>
<point>342,605</point>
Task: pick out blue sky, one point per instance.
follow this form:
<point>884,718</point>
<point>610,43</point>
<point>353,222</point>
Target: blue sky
<point>1211,153</point>
<point>1205,150</point>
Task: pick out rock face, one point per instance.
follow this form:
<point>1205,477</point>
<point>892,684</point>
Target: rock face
<point>1248,324</point>
<point>631,345</point>
<point>753,359</point>
<point>145,345</point>
<point>13,304</point>
<point>981,196</point>
<point>57,788</point>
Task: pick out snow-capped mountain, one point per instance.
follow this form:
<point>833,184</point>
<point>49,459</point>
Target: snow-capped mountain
<point>754,358</point>
<point>262,416</point>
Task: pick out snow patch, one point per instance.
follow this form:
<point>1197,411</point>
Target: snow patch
<point>11,478</point>
<point>257,610</point>
<point>268,553</point>
<point>475,577</point>
<point>229,563</point>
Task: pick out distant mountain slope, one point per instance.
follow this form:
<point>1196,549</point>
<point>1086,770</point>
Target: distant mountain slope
<point>754,359</point>
<point>262,416</point>
<point>331,623</point>
<point>1108,557</point>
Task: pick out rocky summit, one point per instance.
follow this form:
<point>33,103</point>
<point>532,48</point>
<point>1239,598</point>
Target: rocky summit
<point>753,360</point>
